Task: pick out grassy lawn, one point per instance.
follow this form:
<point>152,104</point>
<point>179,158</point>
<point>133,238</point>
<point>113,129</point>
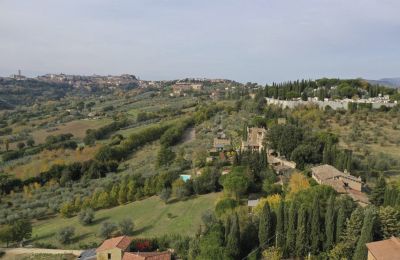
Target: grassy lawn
<point>151,218</point>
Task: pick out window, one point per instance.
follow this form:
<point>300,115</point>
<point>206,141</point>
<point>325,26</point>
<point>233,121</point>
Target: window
<point>109,256</point>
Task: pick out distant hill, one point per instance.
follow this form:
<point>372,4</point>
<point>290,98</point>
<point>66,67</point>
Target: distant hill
<point>27,92</point>
<point>389,82</point>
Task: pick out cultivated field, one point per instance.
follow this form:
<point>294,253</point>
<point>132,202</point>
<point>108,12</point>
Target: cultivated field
<point>77,128</point>
<point>151,218</point>
<point>33,165</point>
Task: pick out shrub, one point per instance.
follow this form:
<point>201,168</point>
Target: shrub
<point>107,229</point>
<point>65,235</point>
<point>126,226</point>
<point>165,194</point>
<point>225,205</point>
<point>86,216</point>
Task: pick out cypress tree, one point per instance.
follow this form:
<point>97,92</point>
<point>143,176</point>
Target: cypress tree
<point>330,224</point>
<point>227,228</point>
<point>354,225</point>
<point>340,222</point>
<point>301,233</point>
<point>265,227</point>
<point>389,220</point>
<point>114,194</point>
<point>386,197</point>
<point>378,193</point>
<point>367,233</point>
<point>315,227</point>
<point>325,154</point>
<point>122,194</point>
<point>280,237</point>
<point>233,242</point>
<point>349,160</point>
<point>291,230</point>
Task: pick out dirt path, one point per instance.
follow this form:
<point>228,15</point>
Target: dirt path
<point>12,252</point>
<point>189,135</point>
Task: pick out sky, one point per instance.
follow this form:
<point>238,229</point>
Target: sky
<point>244,40</point>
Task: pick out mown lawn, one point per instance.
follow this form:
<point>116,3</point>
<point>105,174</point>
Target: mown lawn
<point>151,218</point>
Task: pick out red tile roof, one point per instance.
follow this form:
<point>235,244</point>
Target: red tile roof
<point>147,256</point>
<point>121,242</point>
<point>388,249</point>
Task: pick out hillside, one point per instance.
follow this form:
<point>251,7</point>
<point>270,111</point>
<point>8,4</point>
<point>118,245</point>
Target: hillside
<point>389,82</point>
<point>151,218</point>
<point>27,92</point>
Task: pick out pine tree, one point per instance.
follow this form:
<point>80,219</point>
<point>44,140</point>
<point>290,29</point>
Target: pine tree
<point>340,224</point>
<point>330,224</point>
<point>265,231</point>
<point>367,233</point>
<point>315,226</point>
<point>233,242</point>
<point>280,235</point>
<point>291,230</point>
<point>301,233</point>
<point>378,193</point>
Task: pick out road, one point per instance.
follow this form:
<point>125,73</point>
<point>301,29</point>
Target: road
<point>12,252</point>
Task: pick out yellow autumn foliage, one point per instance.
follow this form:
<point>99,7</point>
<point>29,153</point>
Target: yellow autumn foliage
<point>272,200</point>
<point>297,182</point>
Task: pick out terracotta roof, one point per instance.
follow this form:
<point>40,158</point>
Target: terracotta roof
<point>388,249</point>
<point>147,256</point>
<point>121,242</point>
<point>326,171</point>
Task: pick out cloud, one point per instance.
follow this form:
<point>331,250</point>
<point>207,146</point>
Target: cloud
<point>257,40</point>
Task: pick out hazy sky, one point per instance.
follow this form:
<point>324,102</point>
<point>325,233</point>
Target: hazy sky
<point>248,40</point>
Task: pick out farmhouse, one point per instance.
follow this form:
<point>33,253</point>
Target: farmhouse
<point>147,256</point>
<point>117,249</point>
<point>388,249</point>
<point>113,248</point>
<point>280,164</point>
<point>342,182</point>
<point>255,139</point>
<point>183,86</point>
<point>221,144</point>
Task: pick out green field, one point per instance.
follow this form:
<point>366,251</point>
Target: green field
<point>151,218</point>
<point>77,128</point>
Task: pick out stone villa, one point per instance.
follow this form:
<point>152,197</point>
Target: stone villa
<point>342,182</point>
<point>255,139</point>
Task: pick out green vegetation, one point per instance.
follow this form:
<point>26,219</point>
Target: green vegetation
<point>151,217</point>
<point>95,165</point>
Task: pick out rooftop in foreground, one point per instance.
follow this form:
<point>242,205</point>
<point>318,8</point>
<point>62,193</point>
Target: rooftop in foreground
<point>388,249</point>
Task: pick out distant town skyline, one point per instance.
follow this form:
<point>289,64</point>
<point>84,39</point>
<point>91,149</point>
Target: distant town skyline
<point>257,41</point>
